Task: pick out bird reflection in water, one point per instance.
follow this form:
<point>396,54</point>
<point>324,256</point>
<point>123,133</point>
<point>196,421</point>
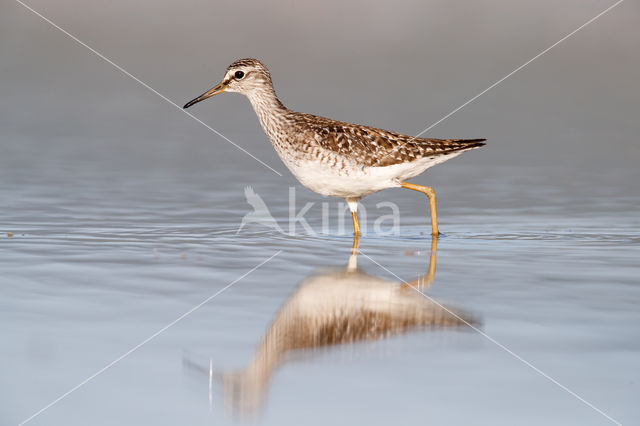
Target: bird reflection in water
<point>343,306</point>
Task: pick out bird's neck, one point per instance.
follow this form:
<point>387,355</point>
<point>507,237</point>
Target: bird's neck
<point>269,109</point>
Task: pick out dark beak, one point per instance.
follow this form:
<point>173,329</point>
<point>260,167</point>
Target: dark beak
<point>218,89</point>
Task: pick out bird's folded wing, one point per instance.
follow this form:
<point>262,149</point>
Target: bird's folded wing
<point>377,147</point>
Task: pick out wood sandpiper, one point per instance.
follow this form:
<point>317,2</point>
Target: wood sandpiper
<point>334,158</point>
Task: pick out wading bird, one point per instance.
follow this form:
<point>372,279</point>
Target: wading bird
<point>334,158</point>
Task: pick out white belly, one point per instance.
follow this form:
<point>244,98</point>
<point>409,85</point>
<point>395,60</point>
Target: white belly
<point>357,182</point>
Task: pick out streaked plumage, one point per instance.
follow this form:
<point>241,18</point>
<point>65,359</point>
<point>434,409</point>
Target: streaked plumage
<point>331,157</point>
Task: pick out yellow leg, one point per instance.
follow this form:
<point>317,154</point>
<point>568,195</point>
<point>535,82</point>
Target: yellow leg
<point>431,273</point>
<point>426,280</point>
<point>356,243</point>
<point>432,203</point>
<point>356,224</point>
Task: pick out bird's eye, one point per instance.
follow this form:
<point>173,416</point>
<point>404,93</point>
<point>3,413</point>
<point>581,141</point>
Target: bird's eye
<point>239,75</point>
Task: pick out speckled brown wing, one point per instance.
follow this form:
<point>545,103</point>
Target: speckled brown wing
<point>377,147</point>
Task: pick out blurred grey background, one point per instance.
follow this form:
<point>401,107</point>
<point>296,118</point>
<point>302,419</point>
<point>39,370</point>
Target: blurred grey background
<point>395,65</point>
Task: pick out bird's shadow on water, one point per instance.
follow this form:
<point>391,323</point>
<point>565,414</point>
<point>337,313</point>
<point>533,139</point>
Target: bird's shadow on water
<point>336,306</point>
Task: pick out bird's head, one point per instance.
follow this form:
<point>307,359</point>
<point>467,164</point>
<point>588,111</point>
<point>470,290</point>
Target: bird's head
<point>245,76</point>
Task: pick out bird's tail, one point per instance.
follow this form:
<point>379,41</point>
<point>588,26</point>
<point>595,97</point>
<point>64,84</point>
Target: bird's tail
<point>466,143</point>
<point>446,146</point>
<point>473,141</point>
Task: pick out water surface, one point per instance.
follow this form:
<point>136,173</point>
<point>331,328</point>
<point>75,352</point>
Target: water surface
<point>103,255</point>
